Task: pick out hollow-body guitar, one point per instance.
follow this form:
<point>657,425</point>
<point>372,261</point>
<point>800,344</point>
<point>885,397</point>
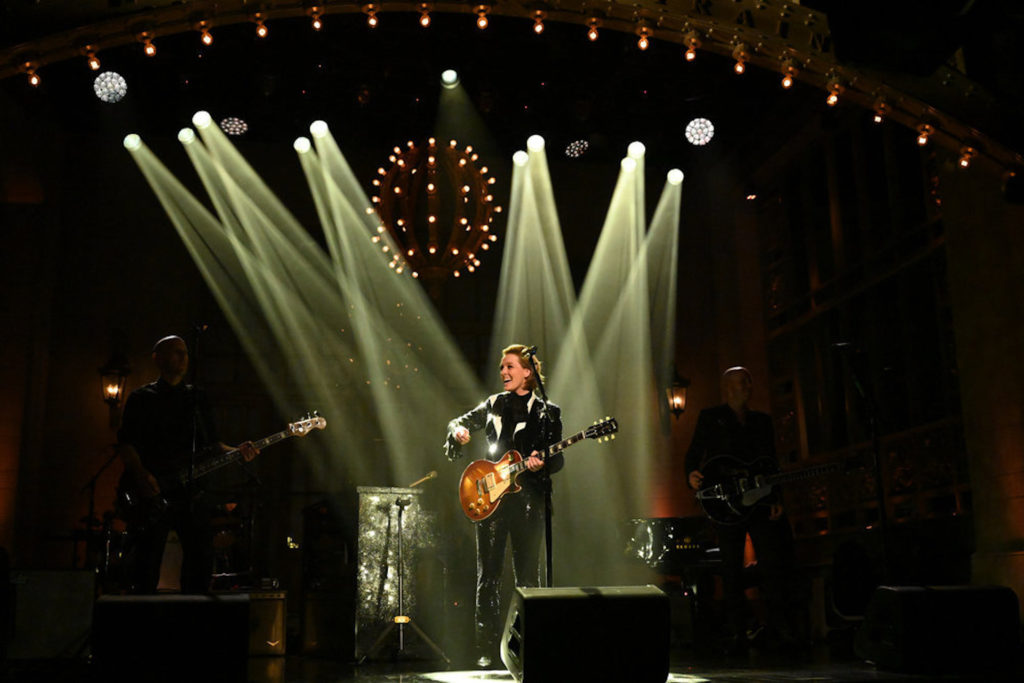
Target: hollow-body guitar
<point>484,483</point>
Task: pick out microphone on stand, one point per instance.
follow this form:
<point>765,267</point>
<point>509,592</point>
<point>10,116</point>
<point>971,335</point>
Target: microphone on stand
<point>530,352</point>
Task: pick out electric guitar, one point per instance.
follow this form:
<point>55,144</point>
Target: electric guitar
<point>732,488</point>
<point>174,479</point>
<point>484,483</point>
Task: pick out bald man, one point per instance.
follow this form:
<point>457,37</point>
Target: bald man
<point>165,423</point>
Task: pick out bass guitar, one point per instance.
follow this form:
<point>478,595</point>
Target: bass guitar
<point>484,483</point>
<point>174,479</point>
<point>732,488</point>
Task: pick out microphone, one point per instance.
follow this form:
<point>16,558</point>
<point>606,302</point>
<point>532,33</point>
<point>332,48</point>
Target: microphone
<point>530,352</point>
<point>842,346</point>
<point>433,473</point>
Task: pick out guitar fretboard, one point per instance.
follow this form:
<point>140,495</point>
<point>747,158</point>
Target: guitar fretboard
<point>228,457</point>
<point>553,449</point>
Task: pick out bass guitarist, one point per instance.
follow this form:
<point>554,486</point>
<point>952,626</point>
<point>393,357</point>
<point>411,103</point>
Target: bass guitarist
<point>513,419</point>
<point>733,429</point>
<point>164,422</point>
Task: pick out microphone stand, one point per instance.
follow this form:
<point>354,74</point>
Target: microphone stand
<point>548,509</point>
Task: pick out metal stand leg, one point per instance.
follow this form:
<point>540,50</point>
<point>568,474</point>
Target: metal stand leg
<point>401,619</point>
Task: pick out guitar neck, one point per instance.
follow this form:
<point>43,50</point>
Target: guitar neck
<point>553,449</point>
<point>227,457</point>
<point>796,475</point>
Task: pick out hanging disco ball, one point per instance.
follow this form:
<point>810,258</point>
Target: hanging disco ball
<point>699,132</point>
<point>110,87</point>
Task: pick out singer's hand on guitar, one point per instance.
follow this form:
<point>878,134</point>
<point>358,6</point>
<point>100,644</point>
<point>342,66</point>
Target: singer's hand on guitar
<point>462,435</point>
<point>696,479</point>
<point>534,463</point>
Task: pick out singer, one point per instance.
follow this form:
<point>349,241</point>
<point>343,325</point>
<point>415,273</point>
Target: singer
<point>512,419</point>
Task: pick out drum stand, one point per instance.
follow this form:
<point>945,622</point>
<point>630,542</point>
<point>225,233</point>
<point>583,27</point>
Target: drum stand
<point>401,620</point>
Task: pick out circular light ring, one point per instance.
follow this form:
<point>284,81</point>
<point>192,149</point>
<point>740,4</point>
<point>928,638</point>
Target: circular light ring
<point>449,78</point>
<point>520,158</point>
<point>110,87</point>
<point>232,125</point>
<point>675,177</point>
<point>202,119</point>
<point>132,141</point>
<point>535,143</point>
<point>302,145</point>
<point>186,136</point>
<point>699,132</point>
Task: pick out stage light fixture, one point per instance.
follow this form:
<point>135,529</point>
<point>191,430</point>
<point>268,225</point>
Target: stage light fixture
<point>576,149</point>
<point>789,72</point>
<point>592,25</point>
<point>882,110</point>
<point>424,9</point>
<point>202,119</point>
<point>924,134</point>
<point>692,42</point>
<point>835,89</point>
<point>482,11</point>
<point>538,21</point>
<point>370,9</point>
<point>535,143</point>
<point>318,129</point>
<point>146,38</point>
<point>449,78</point>
<point>186,136</point>
<point>302,145</point>
<point>628,165</point>
<point>261,27</point>
<point>636,150</point>
<point>132,141</point>
<point>29,68</point>
<point>90,56</point>
<point>699,132</point>
<point>643,30</point>
<point>232,125</point>
<point>520,158</point>
<point>204,32</point>
<point>967,154</point>
<point>675,177</point>
<point>315,13</point>
<point>110,87</point>
<point>741,53</point>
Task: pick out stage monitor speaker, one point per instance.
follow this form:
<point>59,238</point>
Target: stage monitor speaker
<point>171,637</point>
<point>608,633</point>
<point>940,628</point>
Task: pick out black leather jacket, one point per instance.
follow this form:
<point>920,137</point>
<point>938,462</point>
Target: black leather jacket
<point>525,437</point>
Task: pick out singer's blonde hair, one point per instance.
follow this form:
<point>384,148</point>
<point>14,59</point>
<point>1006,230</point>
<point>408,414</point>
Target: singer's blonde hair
<point>519,350</point>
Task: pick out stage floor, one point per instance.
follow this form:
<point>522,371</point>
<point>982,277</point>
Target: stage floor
<point>821,664</point>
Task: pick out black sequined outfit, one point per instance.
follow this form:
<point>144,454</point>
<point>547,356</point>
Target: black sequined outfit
<point>510,422</point>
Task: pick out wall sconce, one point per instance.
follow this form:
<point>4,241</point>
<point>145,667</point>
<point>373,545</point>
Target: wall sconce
<point>676,392</point>
<point>113,376</point>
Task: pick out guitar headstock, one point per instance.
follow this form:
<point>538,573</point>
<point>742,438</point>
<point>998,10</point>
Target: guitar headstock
<point>603,430</point>
<point>306,425</point>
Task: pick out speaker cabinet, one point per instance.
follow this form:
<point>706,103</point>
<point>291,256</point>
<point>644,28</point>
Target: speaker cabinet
<point>940,628</point>
<point>171,637</point>
<point>610,633</point>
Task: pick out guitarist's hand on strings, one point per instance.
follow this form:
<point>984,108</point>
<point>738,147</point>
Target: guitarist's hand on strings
<point>534,463</point>
<point>461,435</point>
<point>248,450</point>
